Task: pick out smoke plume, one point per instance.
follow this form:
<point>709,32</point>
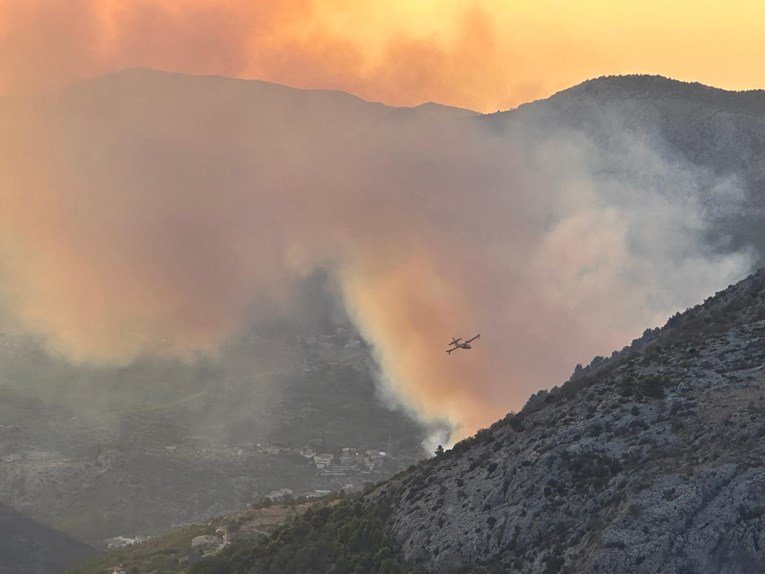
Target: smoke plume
<point>145,214</point>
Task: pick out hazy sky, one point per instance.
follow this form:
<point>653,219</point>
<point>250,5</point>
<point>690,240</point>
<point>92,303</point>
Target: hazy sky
<point>480,54</point>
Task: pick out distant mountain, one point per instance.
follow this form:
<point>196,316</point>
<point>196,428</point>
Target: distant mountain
<point>28,547</point>
<point>651,462</point>
<point>718,132</point>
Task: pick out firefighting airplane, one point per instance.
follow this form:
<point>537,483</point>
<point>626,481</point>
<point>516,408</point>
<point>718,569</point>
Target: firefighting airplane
<point>463,345</point>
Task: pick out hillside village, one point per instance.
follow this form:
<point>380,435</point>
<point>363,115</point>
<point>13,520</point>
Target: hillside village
<point>211,447</point>
<point>296,471</point>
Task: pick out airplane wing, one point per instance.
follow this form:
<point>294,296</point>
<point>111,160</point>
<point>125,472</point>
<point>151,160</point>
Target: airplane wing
<point>474,338</point>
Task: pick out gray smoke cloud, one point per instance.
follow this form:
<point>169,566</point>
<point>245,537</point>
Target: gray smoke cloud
<point>145,214</point>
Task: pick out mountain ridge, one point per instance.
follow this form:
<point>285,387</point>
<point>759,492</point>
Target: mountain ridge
<point>650,85</point>
<point>148,75</point>
<point>640,85</point>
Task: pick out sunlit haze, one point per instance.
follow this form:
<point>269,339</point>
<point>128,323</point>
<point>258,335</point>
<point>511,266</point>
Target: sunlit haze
<point>481,54</point>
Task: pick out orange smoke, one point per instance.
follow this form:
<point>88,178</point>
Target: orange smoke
<point>144,213</point>
<point>479,54</point>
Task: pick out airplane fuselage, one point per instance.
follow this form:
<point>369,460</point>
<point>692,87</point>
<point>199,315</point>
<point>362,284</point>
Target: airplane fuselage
<point>459,346</point>
<point>464,345</point>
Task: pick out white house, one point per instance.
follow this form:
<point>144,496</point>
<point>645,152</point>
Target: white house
<point>323,460</point>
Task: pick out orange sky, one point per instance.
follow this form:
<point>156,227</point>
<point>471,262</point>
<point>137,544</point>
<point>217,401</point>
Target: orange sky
<point>481,54</point>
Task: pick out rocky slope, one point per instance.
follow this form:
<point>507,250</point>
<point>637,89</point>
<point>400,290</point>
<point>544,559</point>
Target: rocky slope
<point>651,461</point>
<point>28,547</point>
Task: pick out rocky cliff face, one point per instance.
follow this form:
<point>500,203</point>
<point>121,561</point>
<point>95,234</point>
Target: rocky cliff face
<point>651,461</point>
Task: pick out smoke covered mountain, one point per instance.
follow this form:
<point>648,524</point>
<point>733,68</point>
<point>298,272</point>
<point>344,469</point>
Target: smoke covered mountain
<point>159,245</point>
<point>150,214</point>
<point>718,132</point>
